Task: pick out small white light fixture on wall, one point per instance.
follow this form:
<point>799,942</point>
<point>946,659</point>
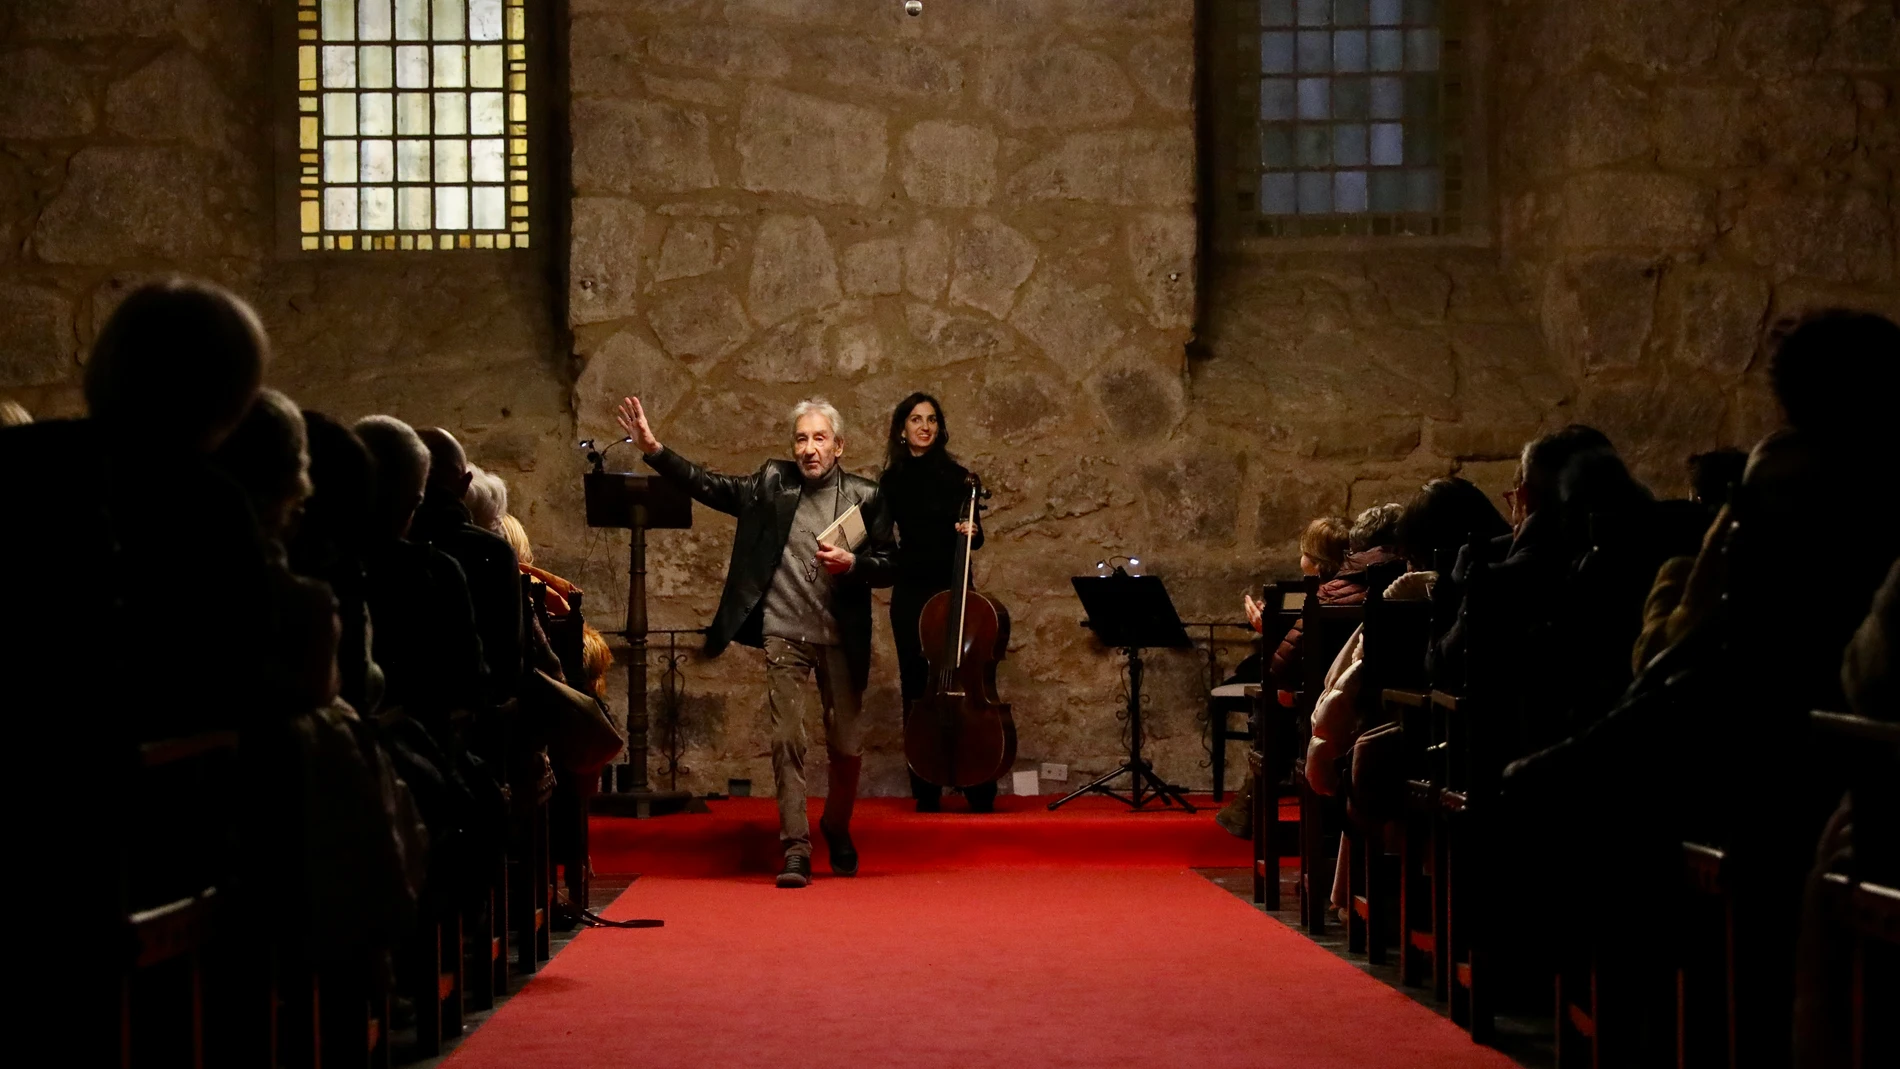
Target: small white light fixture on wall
<point>913,8</point>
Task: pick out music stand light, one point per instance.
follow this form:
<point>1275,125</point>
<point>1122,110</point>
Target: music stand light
<point>1132,612</point>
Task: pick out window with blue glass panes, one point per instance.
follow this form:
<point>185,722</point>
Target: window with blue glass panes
<point>1353,118</point>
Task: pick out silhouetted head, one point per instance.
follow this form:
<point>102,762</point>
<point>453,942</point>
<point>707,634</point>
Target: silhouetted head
<point>402,470</point>
<point>449,475</point>
<point>1445,516</point>
<point>1836,373</point>
<point>176,365</point>
<point>1542,463</point>
<point>337,517</point>
<point>268,455</point>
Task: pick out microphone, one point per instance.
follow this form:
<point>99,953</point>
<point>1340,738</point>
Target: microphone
<point>598,457</point>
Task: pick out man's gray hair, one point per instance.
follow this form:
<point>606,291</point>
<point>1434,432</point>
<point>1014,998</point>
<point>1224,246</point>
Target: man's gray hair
<point>822,407</point>
<point>486,500</point>
<point>402,466</point>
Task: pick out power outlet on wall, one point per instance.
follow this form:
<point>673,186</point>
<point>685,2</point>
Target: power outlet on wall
<point>1053,771</point>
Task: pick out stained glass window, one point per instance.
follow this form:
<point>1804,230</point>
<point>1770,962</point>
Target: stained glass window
<point>1352,116</point>
<point>412,124</point>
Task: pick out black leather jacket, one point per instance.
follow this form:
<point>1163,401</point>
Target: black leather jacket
<point>764,502</point>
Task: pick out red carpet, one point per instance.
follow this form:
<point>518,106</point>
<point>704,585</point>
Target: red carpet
<point>1037,966</point>
<point>740,835</point>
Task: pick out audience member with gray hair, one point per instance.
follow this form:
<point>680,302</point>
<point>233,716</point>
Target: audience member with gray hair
<point>494,578</point>
<point>425,637</point>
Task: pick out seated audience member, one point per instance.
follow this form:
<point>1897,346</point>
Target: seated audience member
<point>596,659</point>
<point>1531,564</point>
<point>557,598</point>
<point>1722,711</point>
<point>487,499</point>
<point>268,457</point>
<point>117,528</point>
<point>1445,516</point>
<point>329,545</point>
<point>172,373</point>
<point>1323,549</point>
<point>494,582</point>
<point>423,625</point>
<point>14,414</point>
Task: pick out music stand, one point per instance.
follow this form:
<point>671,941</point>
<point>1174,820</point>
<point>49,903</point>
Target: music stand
<point>1135,613</point>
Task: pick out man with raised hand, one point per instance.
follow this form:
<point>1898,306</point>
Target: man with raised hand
<point>807,603</point>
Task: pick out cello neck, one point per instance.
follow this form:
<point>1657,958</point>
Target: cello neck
<point>960,582</point>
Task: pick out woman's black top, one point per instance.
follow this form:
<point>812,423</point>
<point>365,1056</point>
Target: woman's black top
<point>925,496</point>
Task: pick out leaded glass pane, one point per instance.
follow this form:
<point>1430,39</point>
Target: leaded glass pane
<point>1276,53</point>
<point>451,207</point>
<point>1349,12</point>
<point>339,114</point>
<point>1315,146</point>
<point>451,161</point>
<point>485,113</point>
<point>412,208</point>
<point>412,20</point>
<point>339,208</point>
<point>1388,144</point>
<point>376,114</point>
<point>1387,12</point>
<point>1349,145</point>
<point>412,113</point>
<point>339,161</point>
<point>412,161</point>
<point>378,161</point>
<point>1276,12</point>
<point>484,20</point>
<point>1349,191</point>
<point>1316,51</point>
<point>451,66</point>
<point>450,24</point>
<point>379,208</point>
<point>1314,12</point>
<point>339,67</point>
<point>484,66</point>
<point>1277,193</point>
<point>1349,50</point>
<point>1421,50</point>
<point>1316,192</point>
<point>1388,50</point>
<point>1316,98</point>
<point>372,20</point>
<point>1277,99</point>
<point>375,67</point>
<point>486,161</point>
<point>451,113</point>
<point>490,208</point>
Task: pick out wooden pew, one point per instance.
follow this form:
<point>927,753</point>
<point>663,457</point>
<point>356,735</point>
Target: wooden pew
<point>1863,903</point>
<point>172,858</point>
<point>1271,727</point>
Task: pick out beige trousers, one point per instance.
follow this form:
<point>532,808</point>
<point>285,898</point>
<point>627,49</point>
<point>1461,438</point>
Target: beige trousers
<point>790,668</point>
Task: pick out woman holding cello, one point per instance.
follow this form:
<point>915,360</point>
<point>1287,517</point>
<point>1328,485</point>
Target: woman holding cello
<point>925,490</point>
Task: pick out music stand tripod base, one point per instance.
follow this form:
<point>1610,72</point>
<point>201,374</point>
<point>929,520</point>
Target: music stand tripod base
<point>1133,612</point>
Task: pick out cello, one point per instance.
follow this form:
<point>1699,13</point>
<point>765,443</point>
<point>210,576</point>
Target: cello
<point>959,734</point>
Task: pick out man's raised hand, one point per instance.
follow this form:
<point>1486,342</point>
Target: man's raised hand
<point>633,420</point>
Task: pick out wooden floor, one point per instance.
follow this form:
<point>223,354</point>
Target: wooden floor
<point>1525,1038</point>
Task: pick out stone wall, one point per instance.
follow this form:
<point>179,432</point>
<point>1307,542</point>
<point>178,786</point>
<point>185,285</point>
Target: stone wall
<point>136,141</point>
<point>1674,177</point>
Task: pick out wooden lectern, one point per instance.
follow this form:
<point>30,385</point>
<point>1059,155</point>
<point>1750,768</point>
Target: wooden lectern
<point>637,503</point>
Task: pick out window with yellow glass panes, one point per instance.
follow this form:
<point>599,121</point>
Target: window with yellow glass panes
<point>412,124</point>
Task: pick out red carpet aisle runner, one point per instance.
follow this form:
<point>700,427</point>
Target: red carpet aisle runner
<point>1003,966</point>
<point>741,835</point>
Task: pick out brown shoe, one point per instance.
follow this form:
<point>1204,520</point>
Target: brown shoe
<point>1236,819</point>
<point>797,872</point>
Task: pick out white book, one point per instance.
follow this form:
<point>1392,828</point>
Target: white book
<point>845,532</point>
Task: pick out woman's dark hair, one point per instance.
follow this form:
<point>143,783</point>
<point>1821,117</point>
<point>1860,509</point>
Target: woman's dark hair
<point>897,451</point>
<point>1445,516</point>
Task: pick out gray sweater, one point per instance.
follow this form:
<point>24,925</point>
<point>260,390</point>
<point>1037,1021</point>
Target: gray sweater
<point>798,603</point>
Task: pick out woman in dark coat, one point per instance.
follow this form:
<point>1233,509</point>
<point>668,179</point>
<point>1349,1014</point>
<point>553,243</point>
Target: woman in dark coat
<point>923,486</point>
